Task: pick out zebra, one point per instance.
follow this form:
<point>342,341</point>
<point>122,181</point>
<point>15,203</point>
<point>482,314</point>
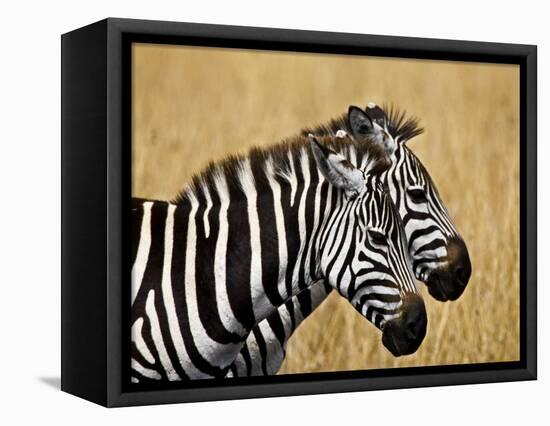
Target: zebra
<point>433,242</point>
<point>251,232</point>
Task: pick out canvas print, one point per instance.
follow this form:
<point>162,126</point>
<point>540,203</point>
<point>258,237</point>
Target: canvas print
<point>301,213</point>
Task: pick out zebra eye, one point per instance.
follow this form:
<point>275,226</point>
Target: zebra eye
<point>377,237</point>
<point>417,195</point>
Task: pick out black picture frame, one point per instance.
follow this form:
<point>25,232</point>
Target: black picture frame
<point>96,148</point>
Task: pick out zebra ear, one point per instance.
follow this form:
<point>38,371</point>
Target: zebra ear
<point>336,169</point>
<point>375,113</point>
<point>368,126</point>
<point>359,122</point>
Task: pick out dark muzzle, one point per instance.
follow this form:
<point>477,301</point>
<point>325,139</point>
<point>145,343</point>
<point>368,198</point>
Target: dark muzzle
<point>449,282</point>
<point>403,335</point>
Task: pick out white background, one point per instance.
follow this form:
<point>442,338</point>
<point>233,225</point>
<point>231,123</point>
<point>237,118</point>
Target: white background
<point>30,210</point>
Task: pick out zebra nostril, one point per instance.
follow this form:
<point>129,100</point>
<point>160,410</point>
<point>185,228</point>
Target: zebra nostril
<point>412,329</point>
<point>460,263</point>
<point>462,275</point>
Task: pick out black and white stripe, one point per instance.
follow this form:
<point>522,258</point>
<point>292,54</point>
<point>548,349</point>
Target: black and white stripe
<point>249,234</point>
<point>265,348</point>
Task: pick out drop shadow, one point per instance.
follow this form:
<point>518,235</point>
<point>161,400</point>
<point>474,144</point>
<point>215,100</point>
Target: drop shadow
<point>54,382</point>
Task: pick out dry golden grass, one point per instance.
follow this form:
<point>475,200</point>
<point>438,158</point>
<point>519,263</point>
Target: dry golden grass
<point>192,105</point>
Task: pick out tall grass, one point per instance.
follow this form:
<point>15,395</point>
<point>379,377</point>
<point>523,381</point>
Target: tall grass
<point>193,105</point>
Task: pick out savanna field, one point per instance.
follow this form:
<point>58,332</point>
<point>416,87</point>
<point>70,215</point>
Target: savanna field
<point>194,105</point>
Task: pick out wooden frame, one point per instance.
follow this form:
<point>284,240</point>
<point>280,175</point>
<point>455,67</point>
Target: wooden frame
<point>96,189</point>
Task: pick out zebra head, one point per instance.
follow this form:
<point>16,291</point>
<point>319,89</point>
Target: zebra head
<point>439,254</point>
<point>362,250</point>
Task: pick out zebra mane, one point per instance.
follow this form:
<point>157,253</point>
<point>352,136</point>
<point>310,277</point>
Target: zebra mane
<point>396,120</point>
<point>274,162</point>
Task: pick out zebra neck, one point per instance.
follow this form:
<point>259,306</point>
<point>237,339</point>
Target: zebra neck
<point>297,309</point>
<point>256,243</point>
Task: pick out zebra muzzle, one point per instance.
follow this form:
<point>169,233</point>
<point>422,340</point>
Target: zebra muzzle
<point>449,282</point>
<point>403,335</point>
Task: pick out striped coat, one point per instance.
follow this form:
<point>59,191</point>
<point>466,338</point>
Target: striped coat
<point>252,232</point>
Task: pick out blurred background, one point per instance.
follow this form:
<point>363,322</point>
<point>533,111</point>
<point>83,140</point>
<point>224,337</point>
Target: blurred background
<point>192,105</point>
